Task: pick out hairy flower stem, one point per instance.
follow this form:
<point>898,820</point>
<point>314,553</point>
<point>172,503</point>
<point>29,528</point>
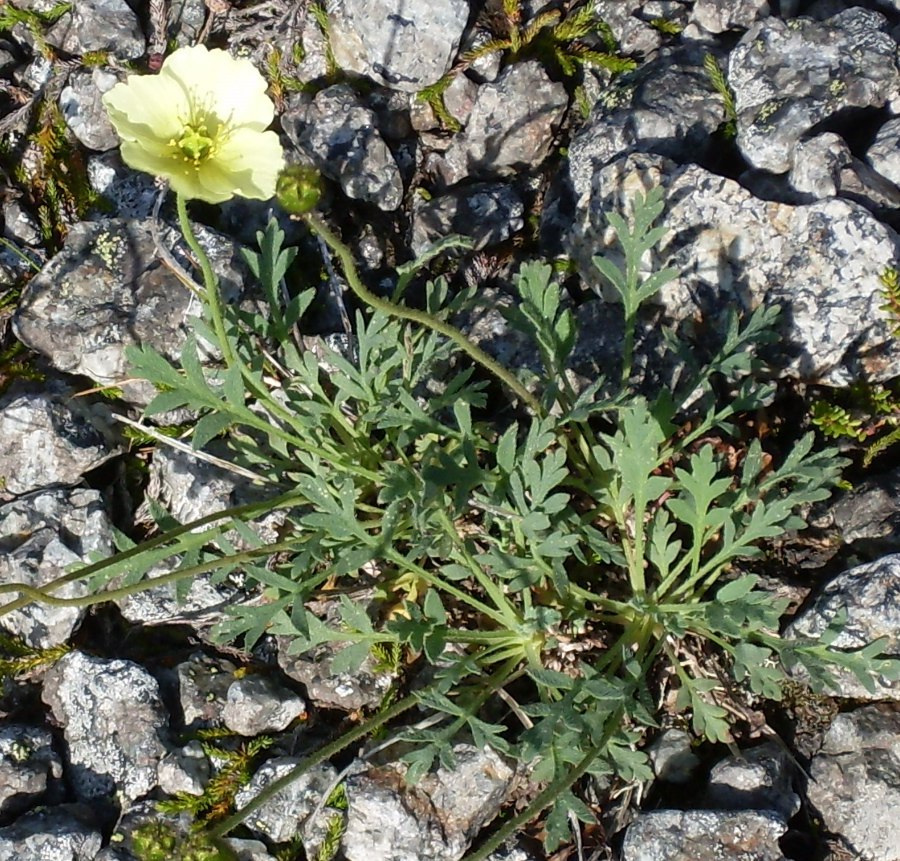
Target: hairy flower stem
<point>210,281</point>
<point>473,351</point>
<point>241,511</point>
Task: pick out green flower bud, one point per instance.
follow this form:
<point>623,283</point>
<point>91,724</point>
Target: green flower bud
<point>298,188</point>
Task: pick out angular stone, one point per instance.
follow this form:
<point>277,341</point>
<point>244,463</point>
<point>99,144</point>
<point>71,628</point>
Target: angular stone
<point>113,719</point>
<point>488,213</point>
<point>820,263</point>
<point>704,835</point>
<point>510,128</point>
<point>855,783</point>
<point>867,593</point>
<point>30,769</point>
<point>789,76</point>
<point>99,25</point>
<point>257,704</point>
<point>51,437</point>
<point>84,112</point>
<point>340,136</point>
<point>64,833</point>
<point>435,820</point>
<point>108,290</point>
<point>759,779</point>
<point>43,537</point>
<point>402,46</point>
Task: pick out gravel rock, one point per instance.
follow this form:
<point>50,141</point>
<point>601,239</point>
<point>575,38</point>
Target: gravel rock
<point>704,835</point>
<point>488,213</point>
<point>820,263</point>
<point>30,769</point>
<point>185,769</point>
<point>789,76</point>
<point>43,536</point>
<point>433,821</point>
<point>131,194</point>
<point>50,437</point>
<point>84,112</point>
<point>855,783</point>
<point>718,16</point>
<point>99,25</point>
<point>510,127</point>
<point>339,135</point>
<point>64,833</point>
<point>672,757</point>
<point>282,816</point>
<point>258,704</point>
<point>759,779</point>
<point>884,151</point>
<point>867,593</point>
<point>202,683</point>
<point>112,719</point>
<point>402,46</point>
<point>668,106</point>
<point>108,290</point>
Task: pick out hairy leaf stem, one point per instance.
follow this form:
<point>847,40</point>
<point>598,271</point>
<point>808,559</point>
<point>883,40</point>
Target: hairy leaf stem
<point>473,351</point>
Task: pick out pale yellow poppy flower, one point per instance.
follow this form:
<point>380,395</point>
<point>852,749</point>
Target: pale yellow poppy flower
<point>200,123</point>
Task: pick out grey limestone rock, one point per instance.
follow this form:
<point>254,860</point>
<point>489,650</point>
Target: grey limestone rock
<point>488,213</point>
<point>818,163</point>
<point>191,488</point>
<point>202,684</point>
<point>30,769</point>
<point>184,769</point>
<point>132,194</point>
<point>107,290</point>
<point>364,688</point>
<point>403,46</point>
<point>340,136</point>
<point>113,721</point>
<point>717,16</point>
<point>510,127</point>
<point>855,782</point>
<point>257,704</point>
<point>704,835</point>
<point>672,757</point>
<point>884,152</point>
<point>789,76</point>
<point>868,516</point>
<point>99,25</point>
<point>84,112</point>
<point>868,594</point>
<point>43,535</point>
<point>433,821</point>
<point>759,779</point>
<point>632,31</point>
<point>283,816</point>
<point>200,603</point>
<point>667,106</point>
<point>820,263</point>
<point>49,437</point>
<point>63,833</point>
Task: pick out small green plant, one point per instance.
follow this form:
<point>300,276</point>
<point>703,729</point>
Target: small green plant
<point>235,769</point>
<point>35,22</point>
<point>556,37</point>
<point>863,412</point>
<point>720,85</point>
<point>890,282</point>
<point>17,658</point>
<point>57,189</point>
<point>494,540</point>
<point>320,16</point>
<point>161,841</point>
